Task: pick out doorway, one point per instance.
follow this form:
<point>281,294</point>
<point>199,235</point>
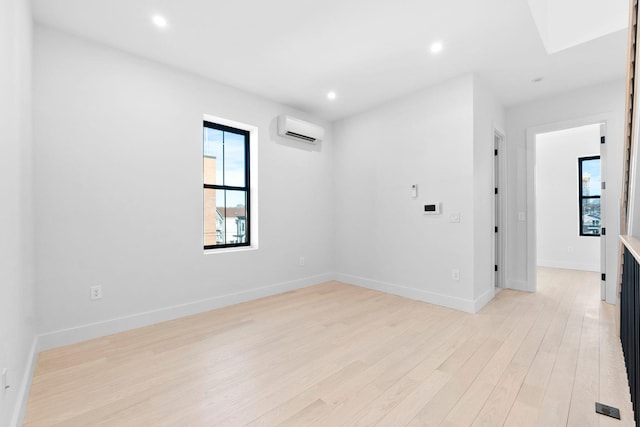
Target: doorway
<point>566,215</point>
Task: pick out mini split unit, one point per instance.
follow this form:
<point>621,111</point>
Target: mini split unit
<point>299,129</point>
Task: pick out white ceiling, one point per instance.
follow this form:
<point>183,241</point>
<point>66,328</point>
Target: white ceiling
<point>295,51</point>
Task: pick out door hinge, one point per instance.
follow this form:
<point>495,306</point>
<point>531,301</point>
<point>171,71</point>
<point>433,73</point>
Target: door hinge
<point>603,231</point>
<point>495,267</point>
<point>495,190</point>
<point>603,277</point>
<point>496,229</point>
<point>602,140</point>
<point>495,152</point>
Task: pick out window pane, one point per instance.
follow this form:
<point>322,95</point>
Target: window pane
<point>225,218</point>
<point>234,157</point>
<point>591,216</point>
<point>235,216</point>
<point>591,177</point>
<point>220,216</point>
<point>212,219</point>
<point>213,156</point>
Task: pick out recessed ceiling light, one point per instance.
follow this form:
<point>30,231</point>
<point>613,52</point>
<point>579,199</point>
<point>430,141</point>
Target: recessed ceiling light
<point>331,95</point>
<point>436,47</point>
<point>159,21</point>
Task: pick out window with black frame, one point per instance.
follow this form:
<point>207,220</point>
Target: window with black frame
<point>589,195</point>
<point>225,156</point>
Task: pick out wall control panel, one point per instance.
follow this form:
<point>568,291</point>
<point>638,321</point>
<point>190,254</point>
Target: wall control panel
<point>432,209</point>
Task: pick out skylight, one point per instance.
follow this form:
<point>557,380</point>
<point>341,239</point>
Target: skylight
<point>563,24</point>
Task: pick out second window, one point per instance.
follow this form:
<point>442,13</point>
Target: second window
<point>589,195</point>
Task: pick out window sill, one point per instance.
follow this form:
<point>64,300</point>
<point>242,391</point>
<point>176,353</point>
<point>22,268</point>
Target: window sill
<point>228,250</point>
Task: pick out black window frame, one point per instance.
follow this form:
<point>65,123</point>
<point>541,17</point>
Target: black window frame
<point>247,183</point>
<point>581,197</point>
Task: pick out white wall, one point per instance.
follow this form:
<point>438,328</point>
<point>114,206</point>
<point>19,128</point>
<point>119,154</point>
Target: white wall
<point>559,243</point>
<point>118,169</point>
<point>603,101</point>
<point>17,323</point>
<point>383,239</point>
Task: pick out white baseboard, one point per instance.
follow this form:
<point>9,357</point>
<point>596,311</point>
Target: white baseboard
<point>25,386</point>
<point>462,304</point>
<point>569,265</point>
<point>518,285</point>
<point>484,299</point>
<point>99,329</point>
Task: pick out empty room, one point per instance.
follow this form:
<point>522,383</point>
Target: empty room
<point>306,213</point>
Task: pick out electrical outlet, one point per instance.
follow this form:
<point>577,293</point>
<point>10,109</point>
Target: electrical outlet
<point>570,249</point>
<point>454,217</point>
<point>4,384</point>
<point>301,261</point>
<point>96,292</point>
<point>455,274</point>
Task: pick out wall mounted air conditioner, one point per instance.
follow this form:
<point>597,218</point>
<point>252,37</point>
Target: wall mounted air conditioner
<point>299,129</point>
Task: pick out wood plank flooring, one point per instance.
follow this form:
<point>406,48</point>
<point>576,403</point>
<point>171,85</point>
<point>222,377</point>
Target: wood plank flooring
<point>339,355</point>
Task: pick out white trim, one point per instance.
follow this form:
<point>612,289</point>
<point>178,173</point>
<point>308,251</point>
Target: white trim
<point>25,386</point>
<point>633,225</point>
<point>483,300</point>
<point>518,285</point>
<point>112,326</point>
<point>502,208</point>
<point>604,202</point>
<point>229,250</point>
<point>456,303</point>
<point>500,130</point>
<point>569,265</point>
<point>632,244</point>
<point>607,117</point>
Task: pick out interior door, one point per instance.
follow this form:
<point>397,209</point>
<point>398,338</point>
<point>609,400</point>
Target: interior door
<point>603,199</point>
<point>496,212</point>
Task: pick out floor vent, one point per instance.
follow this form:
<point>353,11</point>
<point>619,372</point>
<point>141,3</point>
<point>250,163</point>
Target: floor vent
<point>607,410</point>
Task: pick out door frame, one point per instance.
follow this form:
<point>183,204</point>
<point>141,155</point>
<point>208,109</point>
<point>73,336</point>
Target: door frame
<point>532,132</point>
<point>604,173</point>
<point>500,221</point>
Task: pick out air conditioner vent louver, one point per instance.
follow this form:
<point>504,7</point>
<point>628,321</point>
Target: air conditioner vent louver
<point>300,130</point>
<point>297,135</point>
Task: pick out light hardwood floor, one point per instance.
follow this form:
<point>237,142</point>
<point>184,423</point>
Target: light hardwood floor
<point>335,354</point>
